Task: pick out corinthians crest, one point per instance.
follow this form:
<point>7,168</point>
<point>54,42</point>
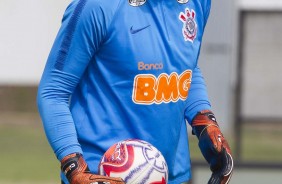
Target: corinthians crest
<point>136,2</point>
<point>182,1</point>
<point>190,27</point>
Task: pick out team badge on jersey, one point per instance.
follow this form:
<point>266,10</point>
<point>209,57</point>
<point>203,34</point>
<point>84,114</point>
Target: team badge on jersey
<point>190,27</point>
<point>182,1</point>
<point>136,2</point>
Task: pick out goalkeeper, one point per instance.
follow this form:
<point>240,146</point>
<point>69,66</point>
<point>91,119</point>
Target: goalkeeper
<point>129,69</point>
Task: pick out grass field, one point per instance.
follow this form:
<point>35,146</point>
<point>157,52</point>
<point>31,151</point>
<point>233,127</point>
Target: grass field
<point>26,157</point>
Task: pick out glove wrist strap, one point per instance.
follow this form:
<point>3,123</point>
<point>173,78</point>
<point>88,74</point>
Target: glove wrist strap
<point>73,164</point>
<point>202,121</point>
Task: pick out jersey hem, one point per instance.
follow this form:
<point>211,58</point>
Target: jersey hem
<point>184,178</point>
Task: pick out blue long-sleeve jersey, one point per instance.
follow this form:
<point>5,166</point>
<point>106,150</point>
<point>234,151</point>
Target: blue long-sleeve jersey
<point>125,69</point>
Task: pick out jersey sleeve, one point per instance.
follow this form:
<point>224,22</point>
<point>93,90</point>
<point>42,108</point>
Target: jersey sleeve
<point>207,9</point>
<point>197,97</point>
<point>82,31</point>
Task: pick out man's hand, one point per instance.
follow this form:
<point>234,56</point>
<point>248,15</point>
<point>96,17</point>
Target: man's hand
<point>77,172</point>
<point>213,146</point>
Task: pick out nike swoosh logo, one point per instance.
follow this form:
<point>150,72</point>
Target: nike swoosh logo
<point>134,31</point>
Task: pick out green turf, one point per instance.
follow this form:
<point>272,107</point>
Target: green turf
<point>262,143</point>
<point>27,158</point>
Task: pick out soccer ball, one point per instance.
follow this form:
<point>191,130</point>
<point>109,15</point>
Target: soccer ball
<point>136,162</point>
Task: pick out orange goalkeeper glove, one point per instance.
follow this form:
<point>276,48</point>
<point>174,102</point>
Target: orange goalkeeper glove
<point>77,172</point>
<point>213,146</point>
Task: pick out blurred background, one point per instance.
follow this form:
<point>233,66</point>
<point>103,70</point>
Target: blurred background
<point>240,58</point>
